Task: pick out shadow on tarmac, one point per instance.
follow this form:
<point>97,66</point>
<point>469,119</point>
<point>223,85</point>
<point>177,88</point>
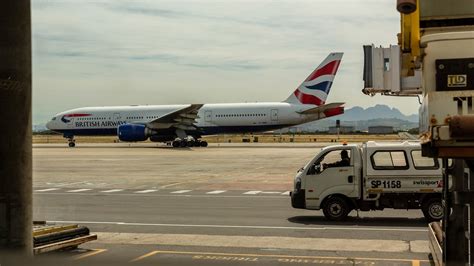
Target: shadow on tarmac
<point>367,221</point>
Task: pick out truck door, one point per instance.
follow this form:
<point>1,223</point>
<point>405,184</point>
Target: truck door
<point>331,174</point>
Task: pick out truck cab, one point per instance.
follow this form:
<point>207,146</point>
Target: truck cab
<point>371,176</point>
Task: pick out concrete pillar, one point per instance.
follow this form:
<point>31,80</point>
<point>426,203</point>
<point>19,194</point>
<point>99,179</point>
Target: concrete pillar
<point>15,133</point>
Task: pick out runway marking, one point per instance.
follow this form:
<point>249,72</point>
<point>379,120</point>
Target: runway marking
<point>181,191</point>
<point>172,185</point>
<point>111,190</point>
<point>47,189</point>
<point>79,190</point>
<point>216,192</point>
<point>144,256</point>
<point>172,252</point>
<point>89,254</point>
<point>253,192</point>
<point>71,184</point>
<point>173,195</point>
<point>146,191</point>
<point>177,193</point>
<point>351,228</point>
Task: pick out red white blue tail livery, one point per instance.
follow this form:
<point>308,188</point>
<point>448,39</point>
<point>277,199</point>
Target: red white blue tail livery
<point>315,89</point>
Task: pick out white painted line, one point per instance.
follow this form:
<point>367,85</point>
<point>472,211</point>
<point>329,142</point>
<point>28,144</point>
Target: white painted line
<point>271,192</point>
<point>47,189</point>
<point>146,191</point>
<point>253,192</point>
<point>304,228</point>
<point>216,192</point>
<point>177,195</point>
<point>286,193</point>
<point>172,185</point>
<point>181,191</point>
<point>112,190</point>
<point>71,184</point>
<point>79,190</point>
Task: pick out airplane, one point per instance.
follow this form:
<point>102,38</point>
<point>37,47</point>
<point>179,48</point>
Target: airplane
<point>184,125</point>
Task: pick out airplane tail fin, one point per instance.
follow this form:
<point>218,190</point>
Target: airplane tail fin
<point>315,88</point>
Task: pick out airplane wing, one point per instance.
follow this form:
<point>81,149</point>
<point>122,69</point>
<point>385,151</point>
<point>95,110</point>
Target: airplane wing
<point>181,119</point>
<point>330,108</point>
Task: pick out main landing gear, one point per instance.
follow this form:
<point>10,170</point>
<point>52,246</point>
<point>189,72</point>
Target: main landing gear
<point>71,141</point>
<point>182,143</point>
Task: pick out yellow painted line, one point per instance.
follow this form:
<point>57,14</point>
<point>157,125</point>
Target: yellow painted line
<point>271,256</point>
<point>375,190</point>
<point>426,190</point>
<point>145,256</point>
<point>415,263</point>
<point>89,254</point>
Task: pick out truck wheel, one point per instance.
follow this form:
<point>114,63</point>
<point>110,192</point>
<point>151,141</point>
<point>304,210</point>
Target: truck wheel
<point>433,209</point>
<point>336,209</point>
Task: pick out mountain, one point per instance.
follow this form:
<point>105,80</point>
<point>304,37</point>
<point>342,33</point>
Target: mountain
<point>359,125</point>
<point>361,119</point>
<point>375,112</point>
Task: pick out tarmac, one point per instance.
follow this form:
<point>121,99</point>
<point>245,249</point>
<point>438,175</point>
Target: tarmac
<point>226,204</point>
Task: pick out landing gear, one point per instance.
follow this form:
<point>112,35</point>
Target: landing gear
<point>71,141</point>
<point>200,143</point>
<point>182,143</point>
<point>176,144</point>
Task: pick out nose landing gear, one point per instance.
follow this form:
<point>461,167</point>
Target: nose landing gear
<point>71,141</point>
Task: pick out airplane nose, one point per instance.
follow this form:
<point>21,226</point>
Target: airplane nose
<point>49,125</point>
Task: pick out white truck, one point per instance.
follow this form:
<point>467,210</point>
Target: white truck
<point>372,176</point>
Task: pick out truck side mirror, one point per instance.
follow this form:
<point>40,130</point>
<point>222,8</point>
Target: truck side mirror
<point>317,168</point>
<point>313,169</point>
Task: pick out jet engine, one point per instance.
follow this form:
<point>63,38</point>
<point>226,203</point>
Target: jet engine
<point>133,132</point>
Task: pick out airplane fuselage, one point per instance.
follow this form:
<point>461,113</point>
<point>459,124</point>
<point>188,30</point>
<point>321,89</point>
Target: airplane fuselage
<point>177,123</point>
<point>212,118</point>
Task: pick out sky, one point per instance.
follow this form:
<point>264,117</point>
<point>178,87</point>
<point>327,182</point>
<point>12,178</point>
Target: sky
<point>101,53</point>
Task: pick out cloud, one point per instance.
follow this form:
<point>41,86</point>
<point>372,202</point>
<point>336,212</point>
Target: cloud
<point>162,52</point>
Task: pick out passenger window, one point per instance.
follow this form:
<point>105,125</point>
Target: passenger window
<point>389,160</point>
<point>421,162</point>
